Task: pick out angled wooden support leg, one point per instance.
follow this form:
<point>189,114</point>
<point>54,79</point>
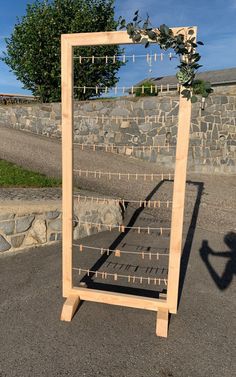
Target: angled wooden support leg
<point>69,308</point>
<point>162,322</point>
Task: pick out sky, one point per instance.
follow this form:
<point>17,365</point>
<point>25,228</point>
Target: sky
<point>216,28</point>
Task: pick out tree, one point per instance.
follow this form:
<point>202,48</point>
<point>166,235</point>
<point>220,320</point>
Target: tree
<point>33,49</point>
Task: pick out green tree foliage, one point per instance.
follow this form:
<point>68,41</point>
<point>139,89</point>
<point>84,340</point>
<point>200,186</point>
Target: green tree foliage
<point>33,50</point>
<point>144,89</point>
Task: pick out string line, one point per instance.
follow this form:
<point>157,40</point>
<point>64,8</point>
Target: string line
<point>130,278</point>
<point>122,228</point>
<point>152,88</point>
<point>99,174</point>
<point>149,57</point>
<point>112,148</point>
<point>148,118</point>
<point>118,252</point>
<point>142,203</point>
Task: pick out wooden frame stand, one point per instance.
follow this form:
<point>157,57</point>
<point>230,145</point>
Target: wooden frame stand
<point>74,294</point>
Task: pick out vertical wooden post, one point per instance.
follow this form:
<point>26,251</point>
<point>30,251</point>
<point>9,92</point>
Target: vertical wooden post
<point>67,162</point>
<point>177,218</point>
<point>162,322</point>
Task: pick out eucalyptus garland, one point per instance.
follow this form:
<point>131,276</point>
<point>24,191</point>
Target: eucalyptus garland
<point>141,31</point>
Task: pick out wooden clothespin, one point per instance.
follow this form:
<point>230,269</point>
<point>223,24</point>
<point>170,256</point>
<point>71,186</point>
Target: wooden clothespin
<point>117,253</point>
<point>80,247</point>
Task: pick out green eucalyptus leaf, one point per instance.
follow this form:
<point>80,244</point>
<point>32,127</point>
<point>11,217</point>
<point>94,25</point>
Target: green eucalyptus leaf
<point>194,99</point>
<point>151,34</point>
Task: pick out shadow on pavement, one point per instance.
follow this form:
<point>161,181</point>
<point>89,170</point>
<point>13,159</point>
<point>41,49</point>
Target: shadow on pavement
<point>224,281</point>
<point>87,280</point>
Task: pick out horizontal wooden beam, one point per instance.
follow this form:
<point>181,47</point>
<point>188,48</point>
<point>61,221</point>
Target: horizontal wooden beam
<point>115,298</point>
<point>109,37</point>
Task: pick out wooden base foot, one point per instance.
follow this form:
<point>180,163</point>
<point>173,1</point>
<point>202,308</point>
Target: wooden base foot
<point>162,323</point>
<point>69,308</point>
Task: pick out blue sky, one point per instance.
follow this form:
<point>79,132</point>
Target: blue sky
<point>214,18</point>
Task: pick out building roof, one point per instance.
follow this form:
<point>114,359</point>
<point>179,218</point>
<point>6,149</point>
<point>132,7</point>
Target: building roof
<point>219,77</point>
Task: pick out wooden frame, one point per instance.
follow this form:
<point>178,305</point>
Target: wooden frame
<point>75,294</point>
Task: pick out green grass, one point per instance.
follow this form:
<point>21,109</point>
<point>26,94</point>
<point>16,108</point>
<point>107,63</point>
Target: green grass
<point>12,175</point>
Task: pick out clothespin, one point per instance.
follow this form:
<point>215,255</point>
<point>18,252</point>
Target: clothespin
<point>117,253</point>
<point>80,247</point>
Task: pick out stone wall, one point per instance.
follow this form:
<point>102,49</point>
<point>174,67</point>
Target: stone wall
<point>28,226</point>
<point>212,139</point>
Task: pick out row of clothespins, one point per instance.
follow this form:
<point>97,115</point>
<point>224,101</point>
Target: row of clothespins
<point>148,119</point>
<point>118,253</point>
<point>140,203</point>
<point>152,88</point>
<point>123,228</point>
<point>129,278</point>
<point>135,176</point>
<point>155,57</point>
<point>127,148</point>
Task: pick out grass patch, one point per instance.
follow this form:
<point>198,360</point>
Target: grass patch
<point>12,175</point>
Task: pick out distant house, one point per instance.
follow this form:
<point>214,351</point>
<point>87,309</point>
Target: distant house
<point>223,81</point>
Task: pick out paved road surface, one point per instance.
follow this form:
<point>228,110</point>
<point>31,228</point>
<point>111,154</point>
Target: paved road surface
<point>112,341</point>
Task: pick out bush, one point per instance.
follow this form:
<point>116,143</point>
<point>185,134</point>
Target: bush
<point>147,88</point>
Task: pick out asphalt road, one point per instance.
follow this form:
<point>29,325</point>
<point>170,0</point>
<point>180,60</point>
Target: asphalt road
<point>111,341</point>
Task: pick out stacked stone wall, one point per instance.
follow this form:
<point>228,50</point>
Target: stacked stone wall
<point>130,122</point>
